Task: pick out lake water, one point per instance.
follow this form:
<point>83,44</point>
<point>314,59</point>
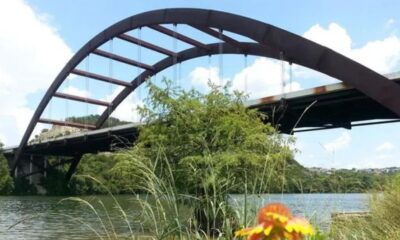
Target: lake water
<point>48,218</point>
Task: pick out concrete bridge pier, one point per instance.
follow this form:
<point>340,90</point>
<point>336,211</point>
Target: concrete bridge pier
<point>33,168</point>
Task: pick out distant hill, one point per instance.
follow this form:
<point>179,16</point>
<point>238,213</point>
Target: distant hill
<point>319,180</point>
<point>58,131</point>
<point>92,120</point>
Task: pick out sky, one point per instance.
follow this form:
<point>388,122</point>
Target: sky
<point>37,38</point>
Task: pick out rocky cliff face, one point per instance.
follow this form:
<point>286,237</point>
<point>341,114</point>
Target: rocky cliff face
<point>54,132</point>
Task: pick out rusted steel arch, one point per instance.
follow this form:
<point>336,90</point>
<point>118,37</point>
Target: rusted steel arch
<point>296,50</point>
<point>254,49</point>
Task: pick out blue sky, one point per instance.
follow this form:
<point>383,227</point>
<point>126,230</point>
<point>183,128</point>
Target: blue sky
<point>38,36</point>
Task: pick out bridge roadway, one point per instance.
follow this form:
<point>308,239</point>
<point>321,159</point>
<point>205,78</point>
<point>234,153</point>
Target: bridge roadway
<point>330,106</point>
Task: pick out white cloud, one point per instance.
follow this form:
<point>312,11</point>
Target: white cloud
<point>127,110</point>
<point>386,146</point>
<point>385,156</point>
<point>338,143</point>
<point>381,160</point>
<point>31,55</point>
<point>262,78</point>
<point>382,56</point>
<point>3,139</point>
<point>200,76</point>
<point>76,91</point>
<point>334,37</point>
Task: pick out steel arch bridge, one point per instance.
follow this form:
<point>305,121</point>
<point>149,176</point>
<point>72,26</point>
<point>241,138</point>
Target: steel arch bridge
<point>269,41</point>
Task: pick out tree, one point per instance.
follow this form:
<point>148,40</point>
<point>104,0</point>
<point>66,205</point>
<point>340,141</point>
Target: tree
<point>102,168</point>
<point>6,182</point>
<point>196,131</point>
<point>212,143</point>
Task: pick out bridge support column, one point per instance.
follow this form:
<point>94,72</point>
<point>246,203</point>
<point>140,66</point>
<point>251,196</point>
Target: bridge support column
<point>72,168</point>
<point>45,167</point>
<point>16,172</point>
<point>30,169</point>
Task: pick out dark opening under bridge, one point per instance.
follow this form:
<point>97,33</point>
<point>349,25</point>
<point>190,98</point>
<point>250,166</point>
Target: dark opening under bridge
<point>371,96</point>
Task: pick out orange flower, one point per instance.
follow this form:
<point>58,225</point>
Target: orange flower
<point>275,222</point>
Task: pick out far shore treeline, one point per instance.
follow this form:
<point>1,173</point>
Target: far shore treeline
<point>195,132</point>
<point>298,179</point>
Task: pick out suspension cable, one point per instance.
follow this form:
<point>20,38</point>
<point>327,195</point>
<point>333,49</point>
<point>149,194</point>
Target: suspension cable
<point>139,57</point>
<point>221,59</point>
<point>175,49</point>
<point>50,106</point>
<point>110,74</point>
<point>66,104</point>
<point>245,74</point>
<point>179,73</point>
<point>209,69</point>
<point>87,92</point>
<point>281,56</point>
<point>290,76</point>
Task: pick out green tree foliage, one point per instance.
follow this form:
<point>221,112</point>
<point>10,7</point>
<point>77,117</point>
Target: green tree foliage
<point>55,183</point>
<point>210,138</point>
<point>211,144</point>
<point>92,120</point>
<point>6,182</point>
<point>303,180</point>
<point>98,166</point>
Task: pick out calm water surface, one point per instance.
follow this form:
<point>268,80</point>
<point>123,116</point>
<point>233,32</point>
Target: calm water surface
<point>48,218</point>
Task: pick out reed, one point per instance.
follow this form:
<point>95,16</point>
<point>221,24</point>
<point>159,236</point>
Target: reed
<point>381,223</point>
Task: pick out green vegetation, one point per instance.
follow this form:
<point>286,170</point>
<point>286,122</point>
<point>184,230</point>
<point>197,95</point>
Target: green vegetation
<point>194,150</point>
<point>118,179</point>
<point>303,180</point>
<point>211,137</point>
<point>10,186</point>
<point>202,132</point>
<point>6,182</point>
<point>89,120</point>
<point>100,166</point>
<point>55,183</point>
<point>199,133</point>
<point>383,221</point>
<point>92,120</point>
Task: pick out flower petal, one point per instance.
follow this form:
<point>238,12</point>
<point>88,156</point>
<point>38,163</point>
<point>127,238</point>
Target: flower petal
<point>274,211</point>
<point>299,225</point>
<point>250,231</point>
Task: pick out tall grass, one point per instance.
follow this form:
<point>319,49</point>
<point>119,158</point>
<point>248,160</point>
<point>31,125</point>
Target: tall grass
<point>165,213</point>
<point>381,223</point>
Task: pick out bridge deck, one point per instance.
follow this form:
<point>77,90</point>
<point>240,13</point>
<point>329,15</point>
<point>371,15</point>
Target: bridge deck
<point>105,139</point>
<point>334,105</point>
<point>337,105</point>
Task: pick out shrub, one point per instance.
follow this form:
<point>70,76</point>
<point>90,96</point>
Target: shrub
<point>6,181</point>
